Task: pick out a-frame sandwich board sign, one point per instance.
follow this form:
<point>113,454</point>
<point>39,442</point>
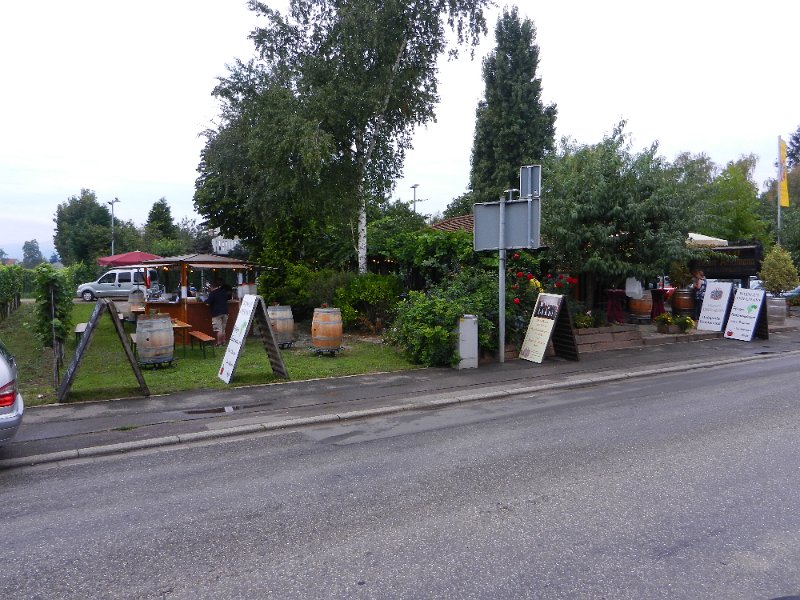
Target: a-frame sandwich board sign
<point>550,321</point>
<point>102,305</point>
<point>251,307</point>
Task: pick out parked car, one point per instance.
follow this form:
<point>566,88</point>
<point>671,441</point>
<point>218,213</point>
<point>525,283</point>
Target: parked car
<point>117,283</point>
<point>792,293</point>
<point>11,405</point>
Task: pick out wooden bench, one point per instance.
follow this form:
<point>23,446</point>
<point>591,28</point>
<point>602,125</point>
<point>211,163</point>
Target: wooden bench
<point>80,328</point>
<point>133,342</point>
<point>204,339</point>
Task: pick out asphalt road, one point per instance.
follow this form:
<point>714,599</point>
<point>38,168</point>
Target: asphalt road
<point>678,486</point>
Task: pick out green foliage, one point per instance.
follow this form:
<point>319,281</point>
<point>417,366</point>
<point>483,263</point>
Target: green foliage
<point>679,274</point>
<point>317,129</point>
<point>513,127</point>
<point>614,214</point>
<point>733,210</point>
<point>460,206</point>
<point>366,299</point>
<point>53,314</point>
<point>10,288</point>
<point>83,229</point>
<point>426,257</point>
<point>386,222</point>
<point>425,324</point>
<point>583,321</point>
<point>303,288</point>
<point>684,322</point>
<point>778,273</point>
<point>82,273</point>
<point>31,254</point>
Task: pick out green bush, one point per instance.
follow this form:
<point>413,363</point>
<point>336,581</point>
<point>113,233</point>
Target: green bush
<point>778,273</point>
<point>53,314</point>
<point>10,289</point>
<point>425,325</point>
<point>366,299</point>
<point>303,288</point>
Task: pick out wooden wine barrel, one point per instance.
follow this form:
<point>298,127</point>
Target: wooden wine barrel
<point>154,339</point>
<point>683,302</point>
<point>281,320</point>
<point>776,310</point>
<point>642,307</point>
<point>326,329</point>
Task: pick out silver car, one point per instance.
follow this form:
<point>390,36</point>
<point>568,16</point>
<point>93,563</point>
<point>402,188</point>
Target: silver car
<point>11,405</point>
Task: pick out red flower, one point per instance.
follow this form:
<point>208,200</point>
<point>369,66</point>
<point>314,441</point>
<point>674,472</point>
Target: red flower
<point>516,300</point>
<point>515,287</point>
<point>529,276</point>
<point>549,276</point>
<point>559,284</point>
<point>516,256</point>
<point>561,276</point>
<point>572,280</point>
<point>519,274</point>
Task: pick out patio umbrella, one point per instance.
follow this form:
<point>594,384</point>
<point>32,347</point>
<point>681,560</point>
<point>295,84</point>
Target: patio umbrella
<point>126,258</point>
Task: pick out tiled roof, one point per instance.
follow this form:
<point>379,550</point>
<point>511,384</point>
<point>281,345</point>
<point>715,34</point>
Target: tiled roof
<point>461,223</point>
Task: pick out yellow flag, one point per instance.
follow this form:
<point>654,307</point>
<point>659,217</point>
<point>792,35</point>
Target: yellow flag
<point>783,184</point>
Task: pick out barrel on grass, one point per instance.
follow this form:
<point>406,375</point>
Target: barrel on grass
<point>326,329</point>
<point>281,320</point>
<point>154,339</point>
<point>641,308</point>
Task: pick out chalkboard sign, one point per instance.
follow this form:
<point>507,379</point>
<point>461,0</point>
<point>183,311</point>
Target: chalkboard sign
<point>103,305</point>
<point>550,314</point>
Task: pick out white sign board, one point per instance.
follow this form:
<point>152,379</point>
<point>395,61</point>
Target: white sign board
<point>744,314</point>
<point>715,306</point>
<point>540,328</point>
<point>238,337</point>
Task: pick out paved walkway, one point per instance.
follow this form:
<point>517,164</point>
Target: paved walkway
<point>71,431</point>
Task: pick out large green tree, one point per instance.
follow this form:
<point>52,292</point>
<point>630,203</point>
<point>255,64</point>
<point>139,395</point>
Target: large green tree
<point>611,213</point>
<point>513,127</point>
<point>31,254</point>
<point>83,229</point>
<point>318,127</point>
<point>733,211</point>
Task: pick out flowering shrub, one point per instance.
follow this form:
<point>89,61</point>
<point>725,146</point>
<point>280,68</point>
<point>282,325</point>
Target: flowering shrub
<point>664,318</point>
<point>684,322</point>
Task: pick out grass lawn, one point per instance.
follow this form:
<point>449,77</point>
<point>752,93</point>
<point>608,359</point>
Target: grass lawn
<point>106,373</point>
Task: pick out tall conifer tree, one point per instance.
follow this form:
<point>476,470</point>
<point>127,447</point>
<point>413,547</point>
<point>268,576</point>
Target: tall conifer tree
<point>513,126</point>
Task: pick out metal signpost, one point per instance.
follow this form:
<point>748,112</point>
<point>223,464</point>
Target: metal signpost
<point>508,225</point>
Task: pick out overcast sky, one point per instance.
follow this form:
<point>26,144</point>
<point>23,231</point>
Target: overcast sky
<point>112,96</point>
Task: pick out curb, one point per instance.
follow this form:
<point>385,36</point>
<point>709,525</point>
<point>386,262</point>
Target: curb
<point>423,403</point>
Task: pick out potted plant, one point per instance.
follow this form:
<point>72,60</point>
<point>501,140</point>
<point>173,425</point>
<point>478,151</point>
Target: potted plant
<point>684,323</point>
<point>778,274</point>
<point>665,324</point>
<point>682,299</point>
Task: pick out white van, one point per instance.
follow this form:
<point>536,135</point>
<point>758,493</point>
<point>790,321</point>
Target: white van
<point>117,283</point>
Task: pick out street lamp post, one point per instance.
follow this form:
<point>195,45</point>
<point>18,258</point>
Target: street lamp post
<point>112,203</point>
<point>414,187</point>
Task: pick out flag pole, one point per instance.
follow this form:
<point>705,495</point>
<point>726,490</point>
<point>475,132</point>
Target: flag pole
<point>778,187</point>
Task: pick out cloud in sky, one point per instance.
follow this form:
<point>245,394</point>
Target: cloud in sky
<point>113,96</point>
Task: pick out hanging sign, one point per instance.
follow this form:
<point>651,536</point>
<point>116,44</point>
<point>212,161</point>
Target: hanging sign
<point>715,306</point>
<point>748,306</point>
<point>545,314</point>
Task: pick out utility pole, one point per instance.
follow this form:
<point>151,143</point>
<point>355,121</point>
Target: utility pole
<point>112,203</point>
<point>414,205</point>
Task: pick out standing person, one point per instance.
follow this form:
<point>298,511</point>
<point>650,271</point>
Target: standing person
<point>699,286</point>
<point>218,305</point>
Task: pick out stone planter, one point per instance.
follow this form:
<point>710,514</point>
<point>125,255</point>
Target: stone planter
<point>613,337</point>
<point>667,328</point>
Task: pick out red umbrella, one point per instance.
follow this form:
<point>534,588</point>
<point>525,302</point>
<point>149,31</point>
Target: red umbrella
<point>126,258</point>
